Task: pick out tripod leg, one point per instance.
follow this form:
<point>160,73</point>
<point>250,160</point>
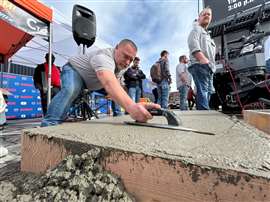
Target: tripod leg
<point>87,108</point>
<point>92,112</point>
<point>83,111</point>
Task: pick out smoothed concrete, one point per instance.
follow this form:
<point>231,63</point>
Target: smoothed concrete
<point>236,145</point>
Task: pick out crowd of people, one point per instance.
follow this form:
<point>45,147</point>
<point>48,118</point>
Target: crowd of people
<point>109,69</point>
<point>103,69</point>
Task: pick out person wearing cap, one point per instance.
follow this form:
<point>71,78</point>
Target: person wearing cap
<point>40,81</point>
<point>133,79</point>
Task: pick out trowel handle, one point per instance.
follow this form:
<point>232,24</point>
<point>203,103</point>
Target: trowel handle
<point>171,117</point>
<point>156,112</point>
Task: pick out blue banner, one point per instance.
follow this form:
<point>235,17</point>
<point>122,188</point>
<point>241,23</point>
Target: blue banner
<point>25,99</point>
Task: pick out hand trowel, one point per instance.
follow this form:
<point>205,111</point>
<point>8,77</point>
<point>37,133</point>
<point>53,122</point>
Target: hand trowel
<point>174,123</point>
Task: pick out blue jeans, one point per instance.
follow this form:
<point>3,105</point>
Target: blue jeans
<point>211,89</point>
<point>135,93</point>
<point>163,93</point>
<point>183,92</point>
<point>116,109</point>
<point>72,85</point>
<point>201,74</point>
<point>268,66</point>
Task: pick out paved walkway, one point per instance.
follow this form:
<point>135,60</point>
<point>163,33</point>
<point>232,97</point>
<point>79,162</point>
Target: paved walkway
<point>10,138</point>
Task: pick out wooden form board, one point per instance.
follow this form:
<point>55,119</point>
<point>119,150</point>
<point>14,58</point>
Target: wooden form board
<point>258,118</point>
<point>151,179</point>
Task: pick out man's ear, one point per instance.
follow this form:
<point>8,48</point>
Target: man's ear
<point>116,47</point>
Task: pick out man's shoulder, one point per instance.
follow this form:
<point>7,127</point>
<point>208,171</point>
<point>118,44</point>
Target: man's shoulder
<point>197,29</point>
<point>181,66</point>
<point>102,56</point>
<point>163,61</point>
<point>129,69</point>
<point>106,52</point>
<point>40,66</point>
<point>178,65</point>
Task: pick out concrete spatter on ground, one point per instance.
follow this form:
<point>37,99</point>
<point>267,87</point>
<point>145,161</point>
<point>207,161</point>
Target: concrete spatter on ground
<point>76,178</point>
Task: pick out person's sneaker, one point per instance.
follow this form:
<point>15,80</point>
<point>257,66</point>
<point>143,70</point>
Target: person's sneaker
<point>3,151</point>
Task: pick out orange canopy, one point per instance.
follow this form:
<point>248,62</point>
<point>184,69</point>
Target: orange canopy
<point>13,38</point>
<point>35,8</point>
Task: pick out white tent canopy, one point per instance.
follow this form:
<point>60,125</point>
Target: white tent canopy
<point>63,45</point>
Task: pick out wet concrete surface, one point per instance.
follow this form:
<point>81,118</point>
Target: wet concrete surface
<point>235,145</point>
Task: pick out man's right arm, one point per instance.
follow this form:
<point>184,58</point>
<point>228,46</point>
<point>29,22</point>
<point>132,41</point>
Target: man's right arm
<point>181,73</point>
<point>195,48</point>
<point>137,111</point>
<point>167,71</point>
<point>201,57</point>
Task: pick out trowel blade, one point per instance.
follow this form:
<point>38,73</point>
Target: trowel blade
<point>155,125</point>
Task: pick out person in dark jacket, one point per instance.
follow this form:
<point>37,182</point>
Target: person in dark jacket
<point>164,86</point>
<point>40,80</point>
<point>133,79</point>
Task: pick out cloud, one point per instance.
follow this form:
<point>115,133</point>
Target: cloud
<point>153,25</point>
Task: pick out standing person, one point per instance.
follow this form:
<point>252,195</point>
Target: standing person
<point>116,109</point>
<point>202,57</point>
<point>96,70</point>
<point>191,98</point>
<point>133,79</point>
<point>155,93</point>
<point>267,56</point>
<point>40,80</point>
<point>183,81</point>
<point>163,87</point>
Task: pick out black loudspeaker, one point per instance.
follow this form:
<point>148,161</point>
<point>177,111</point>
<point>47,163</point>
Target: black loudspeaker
<point>83,25</point>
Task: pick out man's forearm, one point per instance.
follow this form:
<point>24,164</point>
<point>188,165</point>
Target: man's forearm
<point>113,88</point>
<point>201,57</point>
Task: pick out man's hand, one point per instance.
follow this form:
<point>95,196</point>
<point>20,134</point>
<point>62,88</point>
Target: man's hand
<point>138,111</point>
<point>201,57</point>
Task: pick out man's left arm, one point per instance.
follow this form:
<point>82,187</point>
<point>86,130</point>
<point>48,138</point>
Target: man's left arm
<point>167,71</point>
<point>141,74</point>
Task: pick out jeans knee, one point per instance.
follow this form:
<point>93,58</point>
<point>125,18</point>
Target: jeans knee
<point>70,93</point>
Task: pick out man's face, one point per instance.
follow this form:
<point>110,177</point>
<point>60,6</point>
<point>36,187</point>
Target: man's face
<point>124,55</point>
<point>166,56</point>
<point>136,63</point>
<point>205,18</point>
<point>185,60</point>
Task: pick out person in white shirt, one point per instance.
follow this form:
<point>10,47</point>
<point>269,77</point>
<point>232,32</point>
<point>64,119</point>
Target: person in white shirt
<point>183,81</point>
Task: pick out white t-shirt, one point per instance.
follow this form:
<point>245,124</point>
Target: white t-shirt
<point>87,65</point>
<point>181,68</point>
<point>267,49</point>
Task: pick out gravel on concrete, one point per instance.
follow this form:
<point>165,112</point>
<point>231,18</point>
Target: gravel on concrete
<point>76,178</point>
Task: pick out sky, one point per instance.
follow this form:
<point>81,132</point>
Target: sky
<point>154,25</point>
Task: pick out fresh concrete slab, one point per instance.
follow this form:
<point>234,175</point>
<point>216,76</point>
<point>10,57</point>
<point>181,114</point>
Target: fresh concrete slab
<point>232,165</point>
<point>236,145</point>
